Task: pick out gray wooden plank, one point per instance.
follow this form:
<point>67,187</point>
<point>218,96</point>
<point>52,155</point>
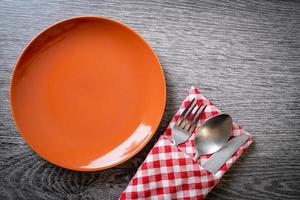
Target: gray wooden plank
<point>243,55</point>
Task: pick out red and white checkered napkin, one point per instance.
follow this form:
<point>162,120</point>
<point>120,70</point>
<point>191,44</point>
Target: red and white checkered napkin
<point>169,172</point>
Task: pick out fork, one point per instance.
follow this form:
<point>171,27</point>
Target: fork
<point>186,124</point>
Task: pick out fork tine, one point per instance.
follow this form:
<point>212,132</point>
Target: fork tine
<point>199,116</point>
<point>192,128</point>
<point>187,108</point>
<point>182,116</point>
<point>194,115</point>
<point>187,126</point>
<point>192,125</point>
<point>190,111</point>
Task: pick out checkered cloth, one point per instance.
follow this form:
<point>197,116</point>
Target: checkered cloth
<point>169,172</point>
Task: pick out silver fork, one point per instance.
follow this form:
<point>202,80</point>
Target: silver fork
<point>184,127</point>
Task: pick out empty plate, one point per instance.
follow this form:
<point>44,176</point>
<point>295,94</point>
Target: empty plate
<point>87,93</point>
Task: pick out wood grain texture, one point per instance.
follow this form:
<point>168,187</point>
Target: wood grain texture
<point>243,55</point>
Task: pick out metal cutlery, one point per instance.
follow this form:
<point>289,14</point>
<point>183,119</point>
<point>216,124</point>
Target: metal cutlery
<point>212,135</point>
<point>186,123</point>
<point>217,160</point>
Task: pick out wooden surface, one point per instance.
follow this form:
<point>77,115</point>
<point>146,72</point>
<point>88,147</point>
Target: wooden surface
<point>243,55</point>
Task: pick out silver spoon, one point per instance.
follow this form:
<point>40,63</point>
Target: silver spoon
<point>212,135</point>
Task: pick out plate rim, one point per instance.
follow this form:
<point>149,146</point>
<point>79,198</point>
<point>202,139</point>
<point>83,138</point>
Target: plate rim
<point>164,98</point>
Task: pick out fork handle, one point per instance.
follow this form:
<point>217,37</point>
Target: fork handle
<point>174,143</point>
<point>197,155</point>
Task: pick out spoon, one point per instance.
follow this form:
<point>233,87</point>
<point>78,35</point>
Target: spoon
<point>212,135</point>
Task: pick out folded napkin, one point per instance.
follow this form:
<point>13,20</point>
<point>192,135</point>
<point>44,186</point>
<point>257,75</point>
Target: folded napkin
<point>169,172</point>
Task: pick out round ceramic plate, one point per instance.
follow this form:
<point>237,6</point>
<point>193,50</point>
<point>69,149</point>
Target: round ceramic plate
<point>87,93</point>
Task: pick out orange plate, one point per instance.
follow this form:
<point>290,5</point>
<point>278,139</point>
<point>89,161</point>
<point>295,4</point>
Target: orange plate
<point>88,93</point>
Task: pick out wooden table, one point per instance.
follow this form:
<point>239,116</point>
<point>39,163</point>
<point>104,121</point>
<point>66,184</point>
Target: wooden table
<point>244,56</point>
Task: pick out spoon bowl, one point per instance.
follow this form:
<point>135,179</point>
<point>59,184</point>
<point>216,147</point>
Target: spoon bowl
<point>213,134</point>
